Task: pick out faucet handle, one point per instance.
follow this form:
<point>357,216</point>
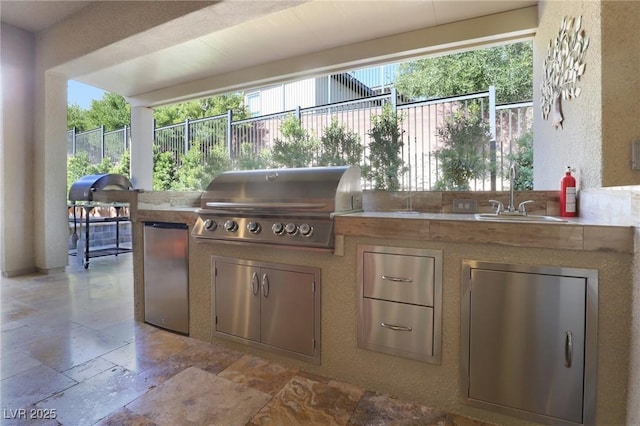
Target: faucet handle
<point>522,207</point>
<point>498,205</point>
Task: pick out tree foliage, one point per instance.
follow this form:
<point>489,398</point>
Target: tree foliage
<point>297,148</point>
<point>463,154</point>
<point>523,158</point>
<point>508,67</point>
<point>201,108</point>
<point>164,170</point>
<point>340,146</point>
<point>114,112</point>
<point>385,164</point>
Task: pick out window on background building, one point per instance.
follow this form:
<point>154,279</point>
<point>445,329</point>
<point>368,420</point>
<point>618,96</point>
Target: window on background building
<point>253,104</point>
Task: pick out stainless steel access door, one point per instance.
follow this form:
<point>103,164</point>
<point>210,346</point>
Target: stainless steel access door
<point>166,275</point>
<point>527,342</point>
<point>237,300</point>
<point>288,310</point>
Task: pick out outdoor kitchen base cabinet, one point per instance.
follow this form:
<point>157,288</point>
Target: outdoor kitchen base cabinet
<point>268,305</point>
<point>529,341</point>
<point>399,302</point>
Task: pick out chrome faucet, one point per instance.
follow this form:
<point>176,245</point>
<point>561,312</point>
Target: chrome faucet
<point>511,209</point>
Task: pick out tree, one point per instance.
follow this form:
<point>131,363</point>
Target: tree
<point>523,157</point>
<point>385,165</point>
<point>509,68</point>
<point>340,146</point>
<point>78,118</point>
<point>297,148</point>
<point>201,108</point>
<point>77,167</point>
<point>164,170</point>
<point>123,167</point>
<point>462,157</point>
<point>112,111</point>
<point>248,160</point>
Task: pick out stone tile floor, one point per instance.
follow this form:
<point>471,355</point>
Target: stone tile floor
<point>72,354</point>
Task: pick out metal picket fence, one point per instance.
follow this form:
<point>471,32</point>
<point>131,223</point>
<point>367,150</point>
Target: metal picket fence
<point>419,122</point>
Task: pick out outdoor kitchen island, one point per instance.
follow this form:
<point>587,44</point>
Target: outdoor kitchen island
<point>577,244</point>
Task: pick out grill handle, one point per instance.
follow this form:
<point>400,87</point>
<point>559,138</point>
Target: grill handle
<point>265,285</point>
<point>255,285</point>
<point>264,206</point>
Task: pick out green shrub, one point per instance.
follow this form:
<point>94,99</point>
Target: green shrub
<point>297,148</point>
<point>523,157</point>
<point>462,157</point>
<point>339,146</point>
<point>164,170</point>
<point>385,164</point>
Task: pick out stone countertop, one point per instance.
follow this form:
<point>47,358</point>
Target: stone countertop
<point>575,234</point>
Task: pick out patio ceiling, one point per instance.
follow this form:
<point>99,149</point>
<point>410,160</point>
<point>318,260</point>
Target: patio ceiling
<point>231,37</point>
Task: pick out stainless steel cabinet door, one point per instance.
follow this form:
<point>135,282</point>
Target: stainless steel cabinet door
<point>288,310</point>
<point>237,300</point>
<point>526,342</point>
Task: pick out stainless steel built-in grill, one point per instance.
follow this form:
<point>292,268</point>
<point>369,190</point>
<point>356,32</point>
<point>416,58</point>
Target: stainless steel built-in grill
<point>287,207</point>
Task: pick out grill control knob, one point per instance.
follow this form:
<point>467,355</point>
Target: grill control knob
<point>291,228</point>
<point>306,230</point>
<point>254,227</point>
<point>210,225</point>
<point>231,226</point>
<point>277,228</point>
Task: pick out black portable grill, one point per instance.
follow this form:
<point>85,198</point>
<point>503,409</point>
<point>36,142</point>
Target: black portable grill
<point>100,190</point>
<point>280,207</point>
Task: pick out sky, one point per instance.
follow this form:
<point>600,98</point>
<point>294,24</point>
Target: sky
<point>82,94</point>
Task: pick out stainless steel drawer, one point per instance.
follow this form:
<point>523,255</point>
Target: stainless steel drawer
<point>399,278</point>
<point>396,329</point>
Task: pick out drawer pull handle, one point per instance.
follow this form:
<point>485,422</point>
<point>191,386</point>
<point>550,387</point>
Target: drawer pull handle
<point>395,327</point>
<point>397,279</point>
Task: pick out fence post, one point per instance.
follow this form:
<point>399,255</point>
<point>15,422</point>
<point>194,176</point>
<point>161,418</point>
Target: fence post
<point>492,142</point>
<point>394,99</point>
<point>186,136</point>
<point>228,132</point>
<point>73,138</point>
<point>125,139</point>
<point>298,113</point>
<point>102,147</point>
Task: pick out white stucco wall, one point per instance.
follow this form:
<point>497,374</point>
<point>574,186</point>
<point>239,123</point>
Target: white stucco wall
<point>599,125</point>
<point>620,91</point>
<point>578,142</point>
<point>16,152</point>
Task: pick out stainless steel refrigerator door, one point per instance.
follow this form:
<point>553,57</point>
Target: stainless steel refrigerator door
<point>166,276</point>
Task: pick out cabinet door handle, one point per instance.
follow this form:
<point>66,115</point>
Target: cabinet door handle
<point>265,285</point>
<point>568,349</point>
<point>255,284</point>
<point>397,279</point>
<point>395,327</point>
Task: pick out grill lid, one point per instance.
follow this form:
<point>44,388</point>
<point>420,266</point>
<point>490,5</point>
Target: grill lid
<point>316,189</point>
<point>84,188</point>
<point>281,207</point>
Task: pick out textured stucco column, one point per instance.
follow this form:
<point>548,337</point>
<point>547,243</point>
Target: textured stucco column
<point>142,148</point>
<point>51,229</point>
<point>16,152</point>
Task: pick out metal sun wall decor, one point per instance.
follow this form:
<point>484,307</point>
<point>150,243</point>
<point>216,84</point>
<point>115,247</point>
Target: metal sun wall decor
<point>563,67</point>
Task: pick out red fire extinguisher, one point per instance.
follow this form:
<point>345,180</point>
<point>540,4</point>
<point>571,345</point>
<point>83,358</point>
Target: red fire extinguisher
<point>568,194</point>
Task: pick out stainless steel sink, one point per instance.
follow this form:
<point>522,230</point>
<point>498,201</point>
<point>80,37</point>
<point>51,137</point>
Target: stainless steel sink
<point>517,218</point>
